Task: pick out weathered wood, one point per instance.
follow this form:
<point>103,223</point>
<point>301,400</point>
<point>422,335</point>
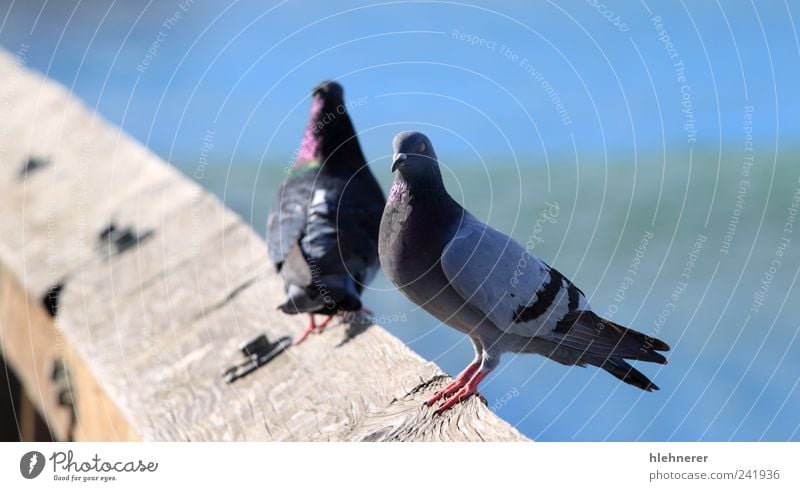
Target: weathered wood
<point>148,324</point>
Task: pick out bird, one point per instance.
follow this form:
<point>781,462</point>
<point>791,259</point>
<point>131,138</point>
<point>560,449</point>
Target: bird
<point>322,231</point>
<point>486,285</point>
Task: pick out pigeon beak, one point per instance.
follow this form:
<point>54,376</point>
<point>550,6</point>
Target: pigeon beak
<point>398,159</point>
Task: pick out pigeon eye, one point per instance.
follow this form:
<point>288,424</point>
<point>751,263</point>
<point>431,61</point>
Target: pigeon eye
<point>421,147</point>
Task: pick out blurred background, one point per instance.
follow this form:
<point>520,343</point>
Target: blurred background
<point>654,142</point>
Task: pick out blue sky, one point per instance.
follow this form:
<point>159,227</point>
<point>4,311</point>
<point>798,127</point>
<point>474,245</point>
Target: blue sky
<point>243,70</point>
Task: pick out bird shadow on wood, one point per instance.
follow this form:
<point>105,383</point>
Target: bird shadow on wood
<point>256,354</point>
<point>31,165</point>
<point>115,240</point>
<point>356,323</point>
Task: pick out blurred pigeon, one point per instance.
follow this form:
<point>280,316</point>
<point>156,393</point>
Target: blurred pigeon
<point>488,286</point>
<point>322,233</point>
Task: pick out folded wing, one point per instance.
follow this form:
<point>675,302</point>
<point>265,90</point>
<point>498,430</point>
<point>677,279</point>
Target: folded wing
<point>517,291</point>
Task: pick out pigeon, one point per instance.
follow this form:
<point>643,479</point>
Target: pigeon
<point>488,286</point>
<point>322,232</point>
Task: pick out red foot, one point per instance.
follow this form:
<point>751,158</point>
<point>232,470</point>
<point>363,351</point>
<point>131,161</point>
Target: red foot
<point>312,326</point>
<point>324,324</point>
<point>469,389</point>
<point>456,384</point>
<point>315,328</point>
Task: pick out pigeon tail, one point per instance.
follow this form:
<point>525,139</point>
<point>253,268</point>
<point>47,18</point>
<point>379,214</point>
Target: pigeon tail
<point>328,295</point>
<point>624,371</point>
<point>591,334</point>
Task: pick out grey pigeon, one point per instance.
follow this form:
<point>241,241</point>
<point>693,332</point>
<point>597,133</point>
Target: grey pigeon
<point>322,233</point>
<point>488,286</point>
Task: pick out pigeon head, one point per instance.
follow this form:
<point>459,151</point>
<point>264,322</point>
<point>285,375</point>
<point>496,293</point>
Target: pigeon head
<point>414,155</point>
<point>330,92</point>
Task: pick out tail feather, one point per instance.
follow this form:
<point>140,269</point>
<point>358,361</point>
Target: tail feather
<point>625,372</point>
<point>585,331</point>
<point>334,294</point>
<point>605,344</point>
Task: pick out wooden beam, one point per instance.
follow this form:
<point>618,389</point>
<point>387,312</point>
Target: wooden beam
<point>48,371</point>
<point>154,284</point>
<point>31,347</point>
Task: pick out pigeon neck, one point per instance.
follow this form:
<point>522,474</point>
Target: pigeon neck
<point>330,140</point>
<point>309,151</point>
<point>422,188</point>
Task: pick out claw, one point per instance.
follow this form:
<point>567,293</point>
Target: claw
<point>456,384</point>
<point>467,390</point>
<point>461,396</point>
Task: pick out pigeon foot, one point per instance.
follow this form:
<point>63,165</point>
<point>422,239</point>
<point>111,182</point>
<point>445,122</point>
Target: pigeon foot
<point>321,327</point>
<point>456,384</point>
<point>313,327</point>
<point>468,390</point>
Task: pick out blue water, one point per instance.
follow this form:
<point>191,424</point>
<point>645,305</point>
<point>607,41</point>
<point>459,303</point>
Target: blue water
<point>607,140</point>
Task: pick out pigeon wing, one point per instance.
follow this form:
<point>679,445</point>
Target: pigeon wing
<point>359,219</point>
<point>288,219</point>
<point>495,274</point>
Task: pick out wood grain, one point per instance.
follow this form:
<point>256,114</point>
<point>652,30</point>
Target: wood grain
<point>150,324</point>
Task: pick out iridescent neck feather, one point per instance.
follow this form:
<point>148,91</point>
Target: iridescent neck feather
<point>310,146</point>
